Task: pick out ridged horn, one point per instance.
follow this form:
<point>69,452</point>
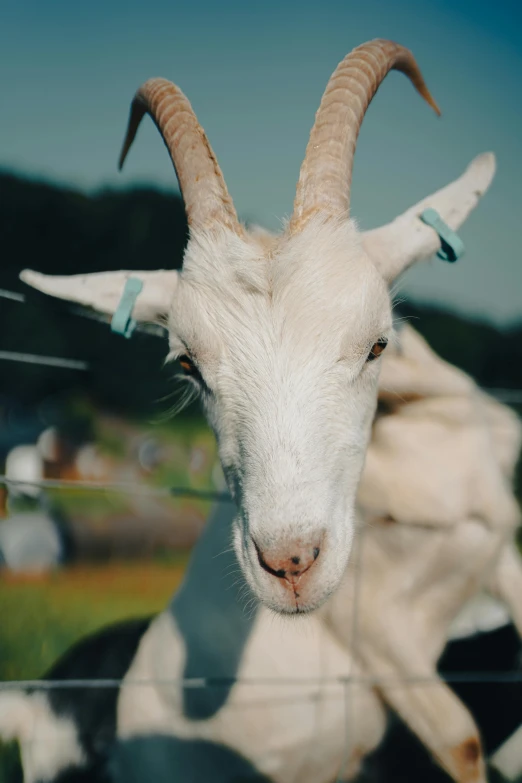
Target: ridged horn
<point>201,182</point>
<point>326,173</point>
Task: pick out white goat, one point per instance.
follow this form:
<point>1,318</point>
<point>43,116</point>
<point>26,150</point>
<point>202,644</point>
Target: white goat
<point>280,336</point>
<point>291,730</point>
<point>440,517</point>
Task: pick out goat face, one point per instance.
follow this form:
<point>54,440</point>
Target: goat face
<point>279,343</point>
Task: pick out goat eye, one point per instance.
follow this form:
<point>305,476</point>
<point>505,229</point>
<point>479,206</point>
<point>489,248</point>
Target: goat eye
<point>377,349</point>
<point>187,365</point>
<point>190,368</point>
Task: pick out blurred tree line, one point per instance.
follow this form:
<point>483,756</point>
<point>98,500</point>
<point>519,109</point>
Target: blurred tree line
<point>61,231</point>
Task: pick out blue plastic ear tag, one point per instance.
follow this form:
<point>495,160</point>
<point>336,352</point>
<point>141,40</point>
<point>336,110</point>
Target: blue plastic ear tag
<point>451,245</point>
<point>122,320</point>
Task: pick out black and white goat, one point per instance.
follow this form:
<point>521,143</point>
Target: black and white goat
<point>263,700</point>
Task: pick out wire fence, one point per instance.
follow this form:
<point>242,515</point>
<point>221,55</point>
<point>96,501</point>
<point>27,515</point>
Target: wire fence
<point>124,487</point>
<point>72,309</point>
<point>45,361</point>
<point>200,683</point>
<point>371,681</point>
<point>509,396</point>
<point>227,682</point>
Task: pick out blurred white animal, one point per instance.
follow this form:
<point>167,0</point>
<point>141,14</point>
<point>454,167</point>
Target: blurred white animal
<point>440,517</point>
<point>30,539</point>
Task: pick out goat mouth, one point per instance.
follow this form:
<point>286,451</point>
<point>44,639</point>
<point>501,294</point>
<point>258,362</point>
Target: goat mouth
<point>297,601</point>
<point>293,606</point>
<point>295,610</point>
<point>286,594</point>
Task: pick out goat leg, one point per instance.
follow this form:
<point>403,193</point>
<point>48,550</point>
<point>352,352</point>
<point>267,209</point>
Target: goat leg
<point>432,711</point>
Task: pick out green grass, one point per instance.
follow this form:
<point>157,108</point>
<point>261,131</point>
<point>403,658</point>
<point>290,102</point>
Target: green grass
<point>42,616</point>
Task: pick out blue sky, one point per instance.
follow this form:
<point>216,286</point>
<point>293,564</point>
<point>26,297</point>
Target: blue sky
<point>254,73</point>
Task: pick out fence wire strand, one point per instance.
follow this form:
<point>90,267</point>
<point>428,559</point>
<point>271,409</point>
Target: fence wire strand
<point>499,678</point>
<point>47,361</point>
<point>78,310</point>
<point>349,715</point>
<point>143,490</point>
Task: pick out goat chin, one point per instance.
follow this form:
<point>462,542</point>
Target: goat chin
<point>285,598</point>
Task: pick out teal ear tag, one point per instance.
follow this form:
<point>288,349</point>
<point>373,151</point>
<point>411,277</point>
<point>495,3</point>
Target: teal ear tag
<point>451,245</point>
<point>122,320</point>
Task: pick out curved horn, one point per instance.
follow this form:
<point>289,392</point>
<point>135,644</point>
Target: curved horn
<point>200,179</point>
<point>326,172</point>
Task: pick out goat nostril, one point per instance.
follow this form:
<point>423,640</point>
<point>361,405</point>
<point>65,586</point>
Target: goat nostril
<point>281,566</point>
<point>280,572</point>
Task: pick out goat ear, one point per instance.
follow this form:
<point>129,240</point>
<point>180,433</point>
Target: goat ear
<point>397,245</point>
<point>102,291</point>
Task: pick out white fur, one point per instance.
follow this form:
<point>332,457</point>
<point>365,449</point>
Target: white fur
<point>48,744</point>
<point>508,758</point>
<point>440,520</point>
<point>287,730</point>
<point>399,244</point>
<point>283,349</point>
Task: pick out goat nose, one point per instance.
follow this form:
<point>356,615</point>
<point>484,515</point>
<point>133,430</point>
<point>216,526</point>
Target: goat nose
<point>289,562</point>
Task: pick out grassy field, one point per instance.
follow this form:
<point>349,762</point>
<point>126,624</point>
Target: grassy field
<point>42,616</point>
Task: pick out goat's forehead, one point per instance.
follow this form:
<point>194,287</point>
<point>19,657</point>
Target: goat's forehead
<point>318,284</point>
